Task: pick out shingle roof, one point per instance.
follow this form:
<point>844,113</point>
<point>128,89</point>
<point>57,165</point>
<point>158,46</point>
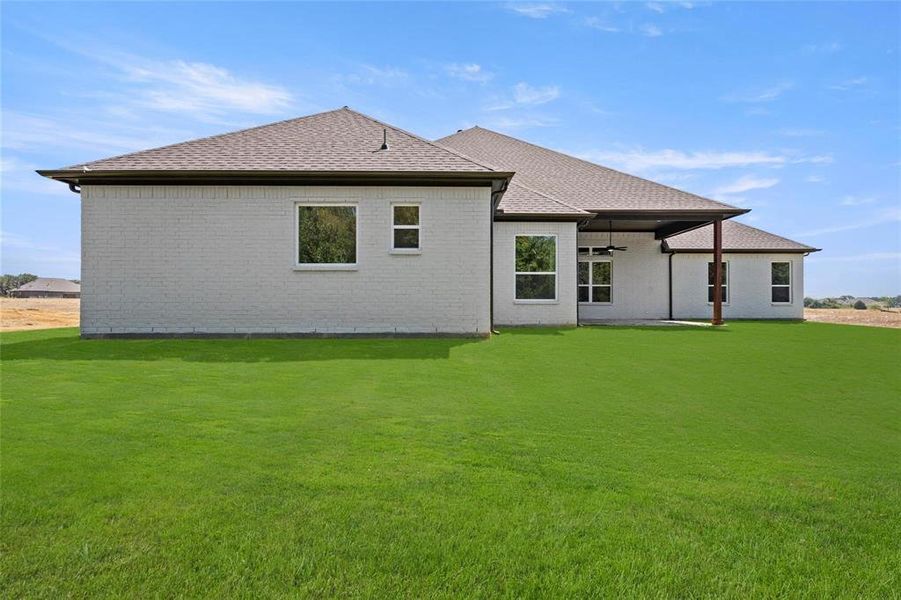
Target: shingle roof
<point>341,140</point>
<point>521,200</point>
<point>736,237</point>
<point>576,182</point>
<point>49,284</point>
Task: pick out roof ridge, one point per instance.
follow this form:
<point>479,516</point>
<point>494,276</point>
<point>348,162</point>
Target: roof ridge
<point>206,137</point>
<point>588,162</point>
<point>422,139</point>
<point>551,198</point>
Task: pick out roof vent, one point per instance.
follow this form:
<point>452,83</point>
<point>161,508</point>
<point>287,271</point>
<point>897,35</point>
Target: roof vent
<point>459,131</point>
<point>384,139</point>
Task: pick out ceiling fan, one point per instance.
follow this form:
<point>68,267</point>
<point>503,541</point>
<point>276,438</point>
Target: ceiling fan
<point>610,247</point>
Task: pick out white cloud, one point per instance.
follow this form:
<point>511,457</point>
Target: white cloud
<point>31,133</point>
<point>641,160</point>
<point>888,216</point>
<point>767,94</point>
<point>849,84</point>
<point>869,256</point>
<point>523,93</point>
<point>469,72</point>
<point>198,87</point>
<point>824,48</point>
<point>650,30</point>
<point>814,179</point>
<point>20,176</point>
<point>746,183</point>
<point>857,200</point>
<point>509,123</point>
<point>386,76</point>
<point>600,25</point>
<point>655,6</point>
<point>800,132</point>
<point>536,10</point>
<point>24,254</point>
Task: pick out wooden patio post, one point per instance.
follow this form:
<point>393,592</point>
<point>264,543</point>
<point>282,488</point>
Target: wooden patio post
<point>718,272</point>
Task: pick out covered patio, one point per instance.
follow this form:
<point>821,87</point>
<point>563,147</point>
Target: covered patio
<point>661,224</point>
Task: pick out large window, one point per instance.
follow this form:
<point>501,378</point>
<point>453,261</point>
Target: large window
<point>710,276</point>
<point>405,227</point>
<point>781,282</point>
<point>326,236</point>
<point>536,268</point>
<point>595,276</point>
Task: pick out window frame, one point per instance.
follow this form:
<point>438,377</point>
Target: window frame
<point>782,285</point>
<point>555,272</point>
<point>591,259</point>
<point>727,287</point>
<point>299,266</point>
<point>392,228</point>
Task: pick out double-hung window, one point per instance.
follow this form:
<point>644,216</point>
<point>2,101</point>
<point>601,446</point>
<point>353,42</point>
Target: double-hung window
<point>710,281</point>
<point>405,228</point>
<point>536,268</point>
<point>595,276</point>
<point>781,282</point>
<point>326,236</point>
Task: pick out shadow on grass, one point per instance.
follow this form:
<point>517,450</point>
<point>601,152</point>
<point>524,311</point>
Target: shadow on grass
<point>230,350</point>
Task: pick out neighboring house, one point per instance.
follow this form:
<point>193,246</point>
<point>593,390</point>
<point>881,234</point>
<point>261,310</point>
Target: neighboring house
<point>337,223</point>
<point>48,287</point>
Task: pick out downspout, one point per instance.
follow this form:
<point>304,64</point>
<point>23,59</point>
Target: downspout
<point>671,253</point>
<point>495,200</point>
<point>75,189</point>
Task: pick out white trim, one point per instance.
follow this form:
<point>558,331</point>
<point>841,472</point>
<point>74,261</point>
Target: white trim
<point>299,266</point>
<point>790,285</point>
<point>393,228</point>
<point>555,300</point>
<point>591,259</point>
<point>727,286</point>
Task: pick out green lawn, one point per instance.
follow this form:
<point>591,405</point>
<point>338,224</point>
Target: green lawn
<point>762,459</point>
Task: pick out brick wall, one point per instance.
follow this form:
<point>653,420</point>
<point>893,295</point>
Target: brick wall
<point>184,259</point>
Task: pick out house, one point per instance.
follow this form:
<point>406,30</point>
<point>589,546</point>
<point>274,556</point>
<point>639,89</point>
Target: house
<point>337,223</point>
<point>48,287</point>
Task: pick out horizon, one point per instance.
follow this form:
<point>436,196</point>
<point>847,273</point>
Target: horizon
<point>802,126</point>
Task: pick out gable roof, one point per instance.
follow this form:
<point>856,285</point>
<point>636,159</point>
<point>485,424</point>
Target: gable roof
<point>49,284</point>
<point>737,237</point>
<point>577,182</point>
<point>340,141</point>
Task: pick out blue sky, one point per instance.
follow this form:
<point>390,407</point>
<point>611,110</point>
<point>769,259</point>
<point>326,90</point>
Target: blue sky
<point>789,109</point>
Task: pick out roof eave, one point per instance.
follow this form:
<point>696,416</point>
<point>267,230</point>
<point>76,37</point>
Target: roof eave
<point>231,177</point>
<point>743,250</point>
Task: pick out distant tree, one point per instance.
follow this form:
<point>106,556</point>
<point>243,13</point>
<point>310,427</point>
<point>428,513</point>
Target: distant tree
<point>10,282</point>
<point>810,302</point>
<point>860,305</point>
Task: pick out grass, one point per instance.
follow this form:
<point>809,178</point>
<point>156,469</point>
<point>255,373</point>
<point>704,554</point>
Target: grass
<point>761,460</point>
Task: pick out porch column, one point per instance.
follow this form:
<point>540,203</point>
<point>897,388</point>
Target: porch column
<point>717,272</point>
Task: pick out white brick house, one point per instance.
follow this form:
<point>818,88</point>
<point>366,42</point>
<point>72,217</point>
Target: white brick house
<point>339,224</point>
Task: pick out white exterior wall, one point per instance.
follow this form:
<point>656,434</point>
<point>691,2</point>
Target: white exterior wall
<point>639,277</point>
<point>509,311</point>
<point>221,259</point>
<point>749,287</point>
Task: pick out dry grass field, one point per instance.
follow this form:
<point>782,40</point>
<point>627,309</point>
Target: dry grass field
<point>17,314</point>
<point>849,316</point>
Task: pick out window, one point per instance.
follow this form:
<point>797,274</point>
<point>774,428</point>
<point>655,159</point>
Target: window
<point>781,282</point>
<point>595,276</point>
<point>536,268</point>
<point>405,227</point>
<point>326,236</point>
<point>710,276</point>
